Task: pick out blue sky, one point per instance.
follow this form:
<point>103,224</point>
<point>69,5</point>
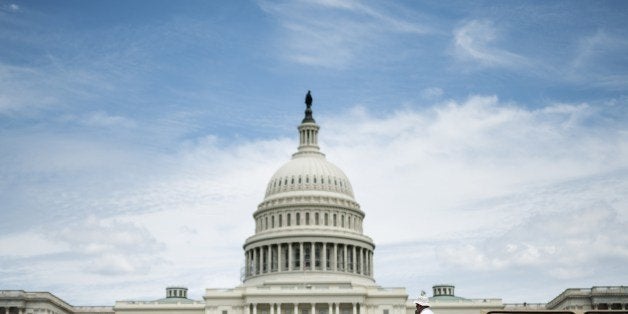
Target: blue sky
<point>137,138</point>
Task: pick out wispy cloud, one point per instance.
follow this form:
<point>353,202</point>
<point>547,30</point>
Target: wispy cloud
<point>476,42</point>
<point>600,59</point>
<point>334,33</point>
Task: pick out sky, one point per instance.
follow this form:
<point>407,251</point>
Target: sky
<point>487,142</point>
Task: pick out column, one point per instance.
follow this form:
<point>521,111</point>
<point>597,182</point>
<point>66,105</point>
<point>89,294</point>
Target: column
<point>246,263</point>
<point>279,308</point>
<point>334,261</point>
<point>344,262</point>
<point>313,308</point>
<point>296,308</point>
<point>254,261</point>
<point>272,308</point>
<point>270,260</point>
<point>254,308</point>
<point>355,311</point>
<point>301,257</point>
<point>354,259</point>
<point>337,308</point>
<point>371,264</point>
<point>259,260</point>
<point>289,256</point>
<point>313,256</point>
<point>279,257</point>
<point>324,258</point>
<point>330,308</point>
<point>362,261</point>
<point>248,309</point>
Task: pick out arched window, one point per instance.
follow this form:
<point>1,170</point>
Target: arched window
<point>342,221</point>
<point>288,219</point>
<point>307,218</point>
<point>298,218</point>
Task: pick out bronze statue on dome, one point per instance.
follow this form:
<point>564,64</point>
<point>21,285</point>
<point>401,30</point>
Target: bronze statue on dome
<point>308,100</point>
<point>308,109</point>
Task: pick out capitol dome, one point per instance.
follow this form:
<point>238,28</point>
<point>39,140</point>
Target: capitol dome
<point>309,173</point>
<point>308,228</point>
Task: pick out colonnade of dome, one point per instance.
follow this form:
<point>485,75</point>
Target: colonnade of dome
<point>309,256</point>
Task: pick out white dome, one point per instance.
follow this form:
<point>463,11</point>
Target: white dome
<point>309,172</point>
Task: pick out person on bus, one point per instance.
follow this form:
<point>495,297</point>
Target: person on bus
<point>423,304</point>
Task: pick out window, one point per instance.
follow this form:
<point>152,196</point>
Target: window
<point>385,311</point>
<point>296,256</point>
<point>280,218</point>
<point>314,179</point>
<point>298,222</point>
<point>307,179</point>
<point>288,220</point>
<point>342,221</point>
<point>224,312</point>
<point>265,222</point>
<point>307,253</point>
<point>350,258</point>
<point>264,260</point>
<point>307,218</point>
<point>326,219</point>
<point>318,248</point>
<point>329,249</point>
<point>272,221</point>
<point>299,180</point>
<point>340,258</point>
<point>335,222</point>
<point>316,219</point>
<point>274,262</point>
<point>284,252</point>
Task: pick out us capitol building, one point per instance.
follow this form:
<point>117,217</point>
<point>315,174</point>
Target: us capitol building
<point>309,255</point>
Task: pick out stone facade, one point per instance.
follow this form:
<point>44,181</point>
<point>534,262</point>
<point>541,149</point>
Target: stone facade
<point>23,302</point>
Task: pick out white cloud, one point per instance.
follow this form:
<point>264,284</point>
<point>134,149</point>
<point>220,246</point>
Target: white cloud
<point>477,179</point>
<point>475,42</point>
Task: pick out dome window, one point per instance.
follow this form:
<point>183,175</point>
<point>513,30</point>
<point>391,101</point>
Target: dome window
<point>322,180</point>
<point>292,182</point>
<point>285,181</point>
<point>314,179</point>
<point>299,180</point>
<point>307,179</point>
